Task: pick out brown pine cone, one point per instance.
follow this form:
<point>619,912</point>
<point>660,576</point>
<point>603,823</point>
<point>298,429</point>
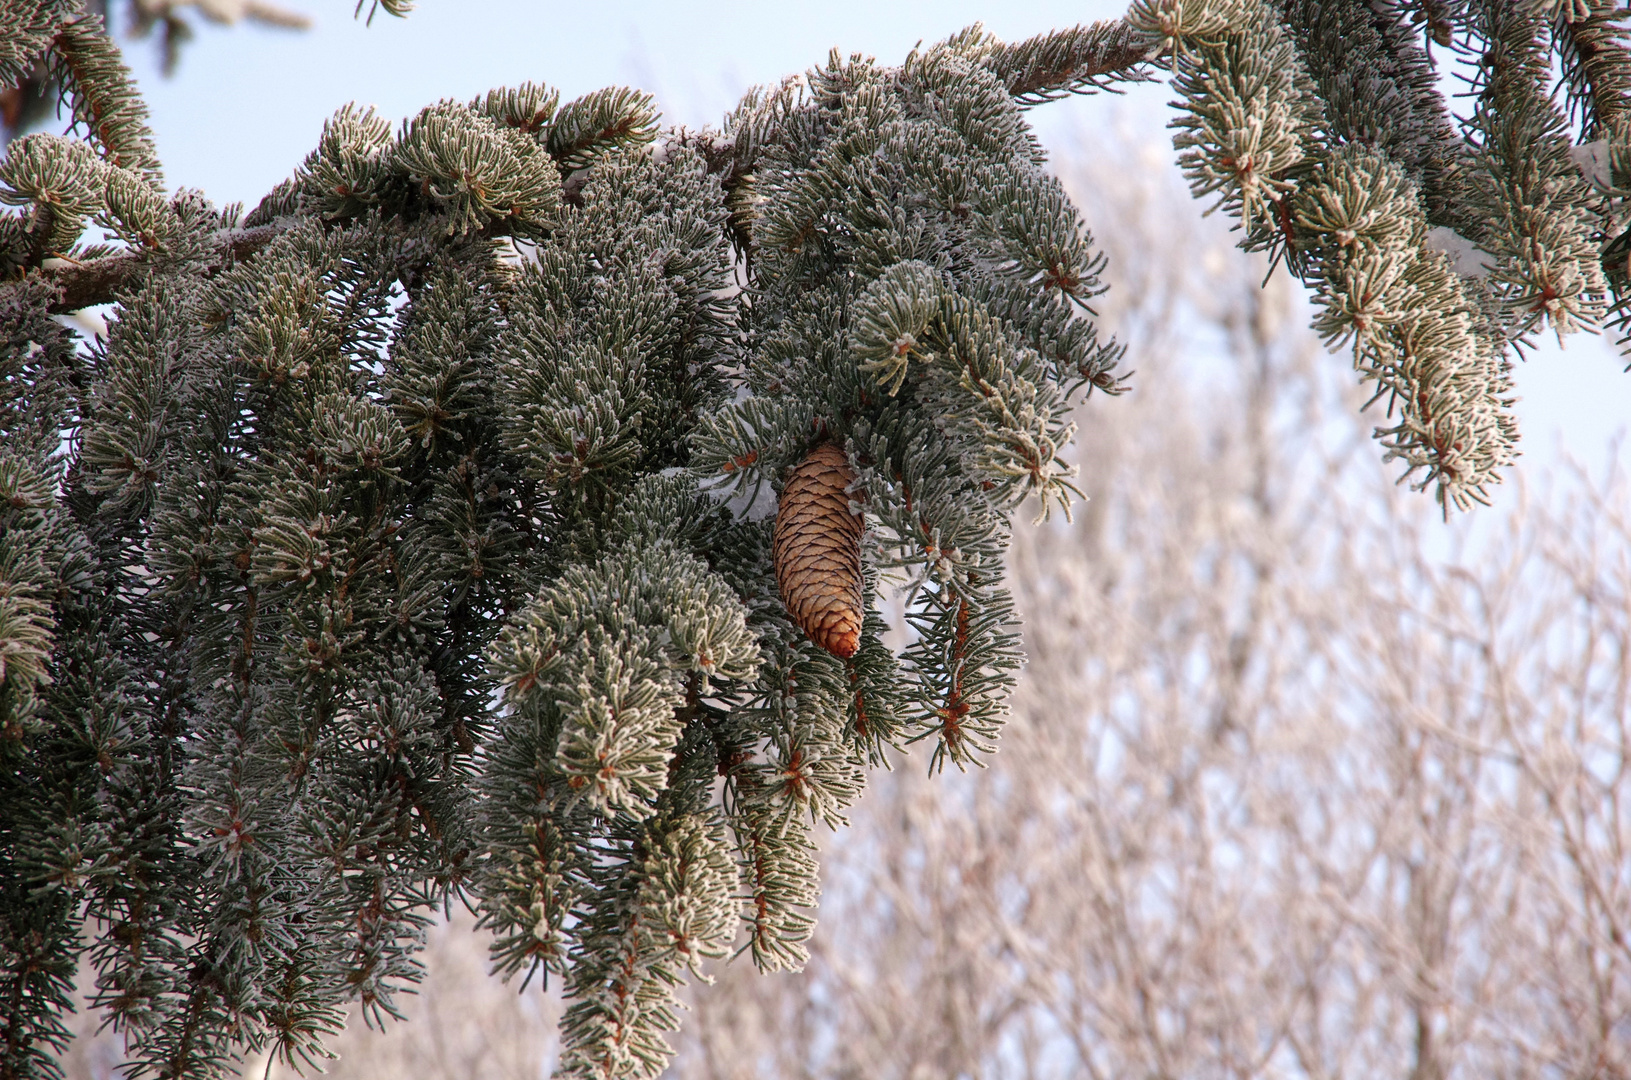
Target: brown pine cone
<point>817,551</point>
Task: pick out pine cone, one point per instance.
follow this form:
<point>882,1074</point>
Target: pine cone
<point>817,551</point>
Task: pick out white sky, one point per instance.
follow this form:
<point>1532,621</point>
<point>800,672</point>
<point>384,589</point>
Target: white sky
<point>247,104</point>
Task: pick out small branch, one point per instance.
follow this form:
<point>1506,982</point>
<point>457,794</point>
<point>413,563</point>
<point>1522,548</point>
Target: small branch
<point>99,281</point>
<point>1073,61</point>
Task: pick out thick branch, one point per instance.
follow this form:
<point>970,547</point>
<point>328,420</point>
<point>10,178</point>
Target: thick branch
<point>99,281</point>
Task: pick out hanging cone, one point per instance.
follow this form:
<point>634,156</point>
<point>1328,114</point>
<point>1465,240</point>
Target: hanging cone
<point>817,551</point>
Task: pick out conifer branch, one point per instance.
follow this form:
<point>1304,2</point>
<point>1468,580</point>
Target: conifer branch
<point>1379,87</point>
<point>1080,60</point>
<point>387,565</point>
<point>104,96</point>
<point>101,280</point>
<point>1539,219</point>
<point>30,26</point>
<point>1595,52</point>
<point>1304,161</point>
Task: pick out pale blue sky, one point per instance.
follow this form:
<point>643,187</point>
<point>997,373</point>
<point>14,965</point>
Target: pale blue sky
<point>247,104</point>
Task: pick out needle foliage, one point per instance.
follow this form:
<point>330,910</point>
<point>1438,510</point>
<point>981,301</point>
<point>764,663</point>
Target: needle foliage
<point>406,541</point>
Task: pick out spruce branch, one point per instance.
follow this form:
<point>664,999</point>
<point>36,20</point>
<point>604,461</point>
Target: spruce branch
<point>1379,87</point>
<point>75,284</point>
<point>780,869</point>
<point>413,537</point>
<point>1304,161</point>
<point>30,26</point>
<point>103,96</point>
<point>589,126</point>
<point>1416,331</point>
<point>396,8</point>
<point>1594,47</point>
<point>1540,218</point>
<point>1249,120</point>
<point>1081,60</point>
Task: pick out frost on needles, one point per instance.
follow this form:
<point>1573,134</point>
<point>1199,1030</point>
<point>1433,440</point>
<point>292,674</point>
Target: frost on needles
<point>405,541</point>
<point>1320,126</point>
